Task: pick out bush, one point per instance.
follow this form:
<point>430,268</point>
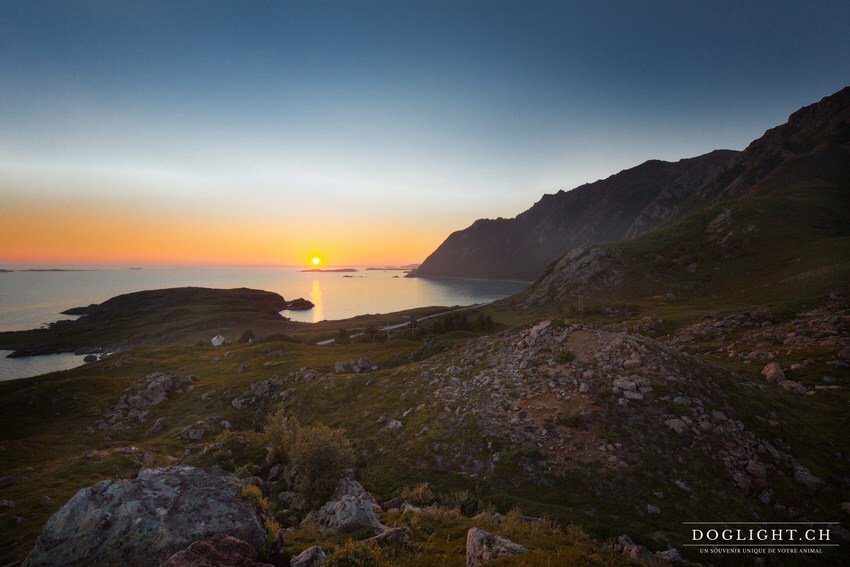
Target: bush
<point>247,336</point>
<point>319,455</point>
<point>420,495</point>
<point>342,336</point>
<point>565,356</point>
<point>573,419</point>
<point>461,500</point>
<point>358,554</point>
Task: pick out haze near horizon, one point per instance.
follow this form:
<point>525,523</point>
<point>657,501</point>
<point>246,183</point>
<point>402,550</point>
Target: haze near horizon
<point>364,133</point>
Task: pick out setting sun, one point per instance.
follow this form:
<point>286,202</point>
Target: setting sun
<point>315,260</point>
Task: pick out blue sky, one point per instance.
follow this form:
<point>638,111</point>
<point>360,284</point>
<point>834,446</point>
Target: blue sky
<point>416,116</point>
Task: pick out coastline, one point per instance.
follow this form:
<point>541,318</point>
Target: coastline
<point>469,279</point>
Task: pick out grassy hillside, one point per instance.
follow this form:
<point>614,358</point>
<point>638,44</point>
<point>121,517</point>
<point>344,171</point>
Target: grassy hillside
<point>490,423</point>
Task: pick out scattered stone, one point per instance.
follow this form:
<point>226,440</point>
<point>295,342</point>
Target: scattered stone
<point>792,386</point>
<point>310,557</point>
<point>398,536</point>
<point>772,372</point>
<point>676,425</point>
<point>394,425</point>
<point>482,547</point>
<point>803,476</point>
<point>623,384</point>
<point>635,551</point>
<point>756,470</point>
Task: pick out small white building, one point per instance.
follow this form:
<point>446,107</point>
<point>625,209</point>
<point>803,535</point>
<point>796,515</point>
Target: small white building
<point>218,340</point>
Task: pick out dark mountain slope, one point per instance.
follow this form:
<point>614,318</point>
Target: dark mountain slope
<point>819,133</point>
<point>811,150</point>
<point>621,206</point>
<point>779,227</point>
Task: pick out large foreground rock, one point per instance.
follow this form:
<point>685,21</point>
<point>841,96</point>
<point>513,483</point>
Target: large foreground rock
<point>482,547</point>
<point>145,520</point>
<point>218,551</point>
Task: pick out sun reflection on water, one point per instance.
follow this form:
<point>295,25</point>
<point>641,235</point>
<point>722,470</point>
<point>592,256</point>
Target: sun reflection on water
<point>316,298</point>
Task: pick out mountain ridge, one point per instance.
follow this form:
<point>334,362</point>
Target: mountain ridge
<point>651,195</point>
<point>621,206</point>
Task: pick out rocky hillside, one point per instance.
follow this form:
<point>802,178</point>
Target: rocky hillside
<point>776,222</point>
<point>622,206</point>
<point>811,149</point>
<point>810,152</point>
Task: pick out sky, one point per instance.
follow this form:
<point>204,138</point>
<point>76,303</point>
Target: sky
<point>365,132</point>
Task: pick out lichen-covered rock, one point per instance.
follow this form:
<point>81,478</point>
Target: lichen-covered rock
<point>217,551</point>
<point>482,547</point>
<point>145,520</point>
<point>348,514</point>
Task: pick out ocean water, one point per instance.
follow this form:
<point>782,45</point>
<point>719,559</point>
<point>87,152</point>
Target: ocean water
<point>33,297</point>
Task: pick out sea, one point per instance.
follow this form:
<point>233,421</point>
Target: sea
<point>32,297</point>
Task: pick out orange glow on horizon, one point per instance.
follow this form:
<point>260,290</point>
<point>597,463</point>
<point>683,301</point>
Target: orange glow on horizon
<point>65,234</point>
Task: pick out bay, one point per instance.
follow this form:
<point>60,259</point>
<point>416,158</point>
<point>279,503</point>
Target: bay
<point>31,297</point>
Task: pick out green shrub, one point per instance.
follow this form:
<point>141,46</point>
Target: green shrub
<point>680,409</point>
<point>254,495</point>
<point>565,356</point>
<point>461,500</point>
<point>573,419</point>
<point>420,495</point>
<point>319,455</point>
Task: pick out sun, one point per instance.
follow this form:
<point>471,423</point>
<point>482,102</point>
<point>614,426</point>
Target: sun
<point>316,260</point>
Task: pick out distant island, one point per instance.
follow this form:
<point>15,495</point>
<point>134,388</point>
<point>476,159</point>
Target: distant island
<point>50,270</point>
<point>330,270</point>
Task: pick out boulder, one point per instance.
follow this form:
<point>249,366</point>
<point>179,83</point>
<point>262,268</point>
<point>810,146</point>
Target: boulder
<point>623,384</point>
<point>364,363</point>
<point>310,557</point>
<point>347,514</point>
<point>145,520</point>
<point>792,386</point>
<point>482,547</point>
<point>676,425</point>
<point>349,487</point>
<point>772,372</point>
<point>803,476</point>
<point>217,551</point>
<point>756,469</point>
